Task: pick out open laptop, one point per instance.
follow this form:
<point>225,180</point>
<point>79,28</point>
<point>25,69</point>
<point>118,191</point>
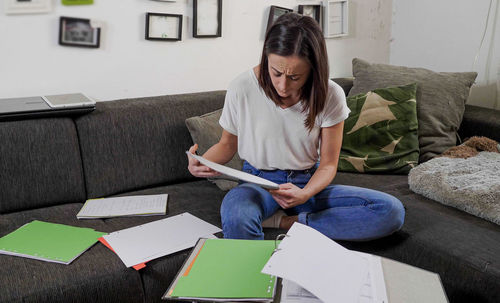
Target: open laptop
<point>44,106</point>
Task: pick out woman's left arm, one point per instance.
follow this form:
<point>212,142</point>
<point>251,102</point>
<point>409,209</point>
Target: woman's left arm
<point>289,195</point>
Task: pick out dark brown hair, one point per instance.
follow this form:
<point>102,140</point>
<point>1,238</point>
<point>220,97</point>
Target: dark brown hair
<point>294,34</point>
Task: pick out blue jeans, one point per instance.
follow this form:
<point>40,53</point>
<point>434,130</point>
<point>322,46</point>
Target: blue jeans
<point>340,212</point>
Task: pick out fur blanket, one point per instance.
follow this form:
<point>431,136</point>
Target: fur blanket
<point>472,184</point>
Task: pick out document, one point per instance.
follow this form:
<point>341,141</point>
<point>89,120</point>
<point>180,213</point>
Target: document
<point>234,174</point>
<point>225,270</point>
<point>329,271</point>
<point>49,242</point>
<point>149,241</point>
<point>145,205</point>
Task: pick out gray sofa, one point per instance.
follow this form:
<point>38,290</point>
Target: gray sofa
<point>50,166</point>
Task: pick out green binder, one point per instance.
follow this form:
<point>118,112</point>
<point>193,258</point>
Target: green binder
<point>49,241</point>
<point>225,270</point>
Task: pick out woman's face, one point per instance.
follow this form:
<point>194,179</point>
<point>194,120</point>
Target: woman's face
<point>288,75</point>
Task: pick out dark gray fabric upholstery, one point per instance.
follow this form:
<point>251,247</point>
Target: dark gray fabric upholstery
<point>40,164</point>
<point>462,248</point>
<point>200,198</point>
<point>480,121</point>
<point>95,276</point>
<point>136,143</point>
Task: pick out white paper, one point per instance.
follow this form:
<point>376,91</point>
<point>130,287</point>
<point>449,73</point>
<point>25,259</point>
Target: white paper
<point>124,206</point>
<point>234,173</point>
<point>149,241</point>
<point>326,269</point>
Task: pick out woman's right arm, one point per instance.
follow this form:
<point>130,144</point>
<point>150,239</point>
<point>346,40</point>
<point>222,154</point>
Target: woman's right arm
<point>221,152</point>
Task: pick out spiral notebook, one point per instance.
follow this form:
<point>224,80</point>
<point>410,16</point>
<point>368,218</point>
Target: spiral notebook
<point>225,270</point>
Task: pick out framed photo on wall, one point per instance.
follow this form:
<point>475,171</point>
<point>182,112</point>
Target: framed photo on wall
<point>336,18</point>
<point>207,18</point>
<point>78,32</point>
<point>27,6</point>
<point>313,11</point>
<point>274,13</point>
<point>163,27</point>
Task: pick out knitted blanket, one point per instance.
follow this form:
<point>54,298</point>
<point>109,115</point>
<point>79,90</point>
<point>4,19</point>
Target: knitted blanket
<point>471,185</point>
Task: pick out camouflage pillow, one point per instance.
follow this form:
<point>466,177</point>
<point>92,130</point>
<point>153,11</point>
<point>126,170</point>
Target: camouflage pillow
<point>380,134</point>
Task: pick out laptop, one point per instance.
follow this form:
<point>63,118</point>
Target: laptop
<point>45,106</point>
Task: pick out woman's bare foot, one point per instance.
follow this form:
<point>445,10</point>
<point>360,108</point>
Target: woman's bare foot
<point>287,221</point>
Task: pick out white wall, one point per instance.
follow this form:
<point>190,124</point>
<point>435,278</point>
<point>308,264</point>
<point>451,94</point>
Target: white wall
<point>126,65</point>
<point>445,35</point>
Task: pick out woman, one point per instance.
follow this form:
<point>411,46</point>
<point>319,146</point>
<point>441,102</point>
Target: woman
<point>278,116</point>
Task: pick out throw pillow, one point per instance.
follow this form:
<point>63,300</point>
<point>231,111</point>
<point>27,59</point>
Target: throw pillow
<point>380,134</point>
<point>441,99</point>
<point>206,131</point>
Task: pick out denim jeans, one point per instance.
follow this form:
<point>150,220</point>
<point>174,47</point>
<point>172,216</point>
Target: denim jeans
<point>340,212</point>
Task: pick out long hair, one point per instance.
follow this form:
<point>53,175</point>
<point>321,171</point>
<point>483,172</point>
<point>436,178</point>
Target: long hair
<point>294,34</point>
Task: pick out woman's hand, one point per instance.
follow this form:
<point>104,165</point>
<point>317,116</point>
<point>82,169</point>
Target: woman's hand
<point>196,168</point>
<point>289,195</point>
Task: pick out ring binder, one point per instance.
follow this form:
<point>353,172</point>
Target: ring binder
<point>225,270</point>
<point>278,238</point>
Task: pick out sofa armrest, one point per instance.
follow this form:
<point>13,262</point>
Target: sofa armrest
<point>480,121</point>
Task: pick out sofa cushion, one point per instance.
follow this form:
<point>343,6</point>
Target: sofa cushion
<point>462,248</point>
<point>137,143</point>
<point>40,164</point>
<point>380,134</point>
<point>206,131</point>
<point>441,99</point>
<point>95,276</point>
<point>200,198</point>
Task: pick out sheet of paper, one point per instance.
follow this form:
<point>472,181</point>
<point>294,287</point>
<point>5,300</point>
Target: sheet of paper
<point>149,241</point>
<point>326,269</point>
<point>235,174</point>
<point>124,206</point>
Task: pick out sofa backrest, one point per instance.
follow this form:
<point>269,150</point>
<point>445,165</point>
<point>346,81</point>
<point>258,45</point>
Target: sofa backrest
<point>40,164</point>
<point>137,143</point>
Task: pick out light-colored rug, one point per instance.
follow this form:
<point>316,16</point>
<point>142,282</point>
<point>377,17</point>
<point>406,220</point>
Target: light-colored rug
<point>472,185</point>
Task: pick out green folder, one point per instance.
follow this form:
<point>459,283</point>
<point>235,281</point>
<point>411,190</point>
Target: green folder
<point>49,241</point>
<point>224,269</point>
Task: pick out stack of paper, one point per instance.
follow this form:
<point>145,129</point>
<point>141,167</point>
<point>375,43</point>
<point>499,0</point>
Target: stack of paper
<point>225,270</point>
<point>145,205</point>
<point>49,241</point>
<point>149,241</point>
<point>325,269</point>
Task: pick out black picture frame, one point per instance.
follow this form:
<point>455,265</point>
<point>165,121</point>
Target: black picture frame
<point>78,32</point>
<point>274,13</point>
<point>313,11</point>
<point>153,30</point>
<point>197,14</point>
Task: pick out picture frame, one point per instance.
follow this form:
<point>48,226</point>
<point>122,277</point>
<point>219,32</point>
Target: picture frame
<point>78,32</point>
<point>336,18</point>
<point>207,18</point>
<point>16,7</point>
<point>313,11</point>
<point>274,13</point>
<point>163,27</point>
<point>77,2</point>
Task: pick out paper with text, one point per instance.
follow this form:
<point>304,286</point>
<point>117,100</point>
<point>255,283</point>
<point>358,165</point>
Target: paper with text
<point>234,174</point>
<point>326,269</point>
<point>143,205</point>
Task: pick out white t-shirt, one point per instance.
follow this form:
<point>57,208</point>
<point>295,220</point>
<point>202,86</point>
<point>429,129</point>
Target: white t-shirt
<point>270,137</point>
